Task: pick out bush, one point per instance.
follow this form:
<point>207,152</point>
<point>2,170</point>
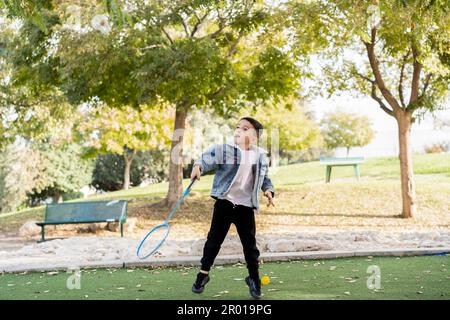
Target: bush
<point>439,147</point>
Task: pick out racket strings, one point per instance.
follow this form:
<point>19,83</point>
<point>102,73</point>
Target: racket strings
<point>153,241</point>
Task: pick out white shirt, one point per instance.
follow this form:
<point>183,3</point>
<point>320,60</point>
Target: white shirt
<point>240,192</point>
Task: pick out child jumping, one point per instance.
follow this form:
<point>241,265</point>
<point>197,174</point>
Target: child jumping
<point>240,172</point>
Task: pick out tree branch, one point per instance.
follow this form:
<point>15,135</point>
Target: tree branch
<point>216,93</point>
<point>167,35</point>
<point>416,77</point>
<point>232,50</point>
<point>186,27</point>
<point>380,102</point>
<point>374,63</point>
<point>426,83</point>
<point>374,94</point>
<point>199,22</point>
<point>400,82</point>
<point>222,26</point>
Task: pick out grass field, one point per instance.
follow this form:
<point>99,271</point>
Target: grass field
<point>303,200</point>
<point>425,277</point>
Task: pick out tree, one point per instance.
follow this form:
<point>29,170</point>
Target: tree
<point>18,171</point>
<point>347,130</point>
<point>199,57</point>
<point>148,166</point>
<point>397,52</point>
<point>125,132</point>
<point>31,105</point>
<point>189,54</point>
<point>62,171</point>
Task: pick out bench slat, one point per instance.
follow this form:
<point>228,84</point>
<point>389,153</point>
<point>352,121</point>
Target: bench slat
<point>87,211</point>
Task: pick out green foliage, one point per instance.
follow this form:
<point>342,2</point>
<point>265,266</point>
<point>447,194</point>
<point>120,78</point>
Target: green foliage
<point>275,76</point>
<point>61,171</point>
<point>98,65</point>
<point>111,130</point>
<point>31,106</point>
<point>347,130</point>
<point>177,51</point>
<point>31,10</point>
<point>191,69</point>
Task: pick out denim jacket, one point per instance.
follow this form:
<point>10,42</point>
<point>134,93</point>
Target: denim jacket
<point>225,160</point>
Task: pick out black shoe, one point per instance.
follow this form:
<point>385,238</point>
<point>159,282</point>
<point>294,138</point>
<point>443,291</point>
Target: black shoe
<point>200,282</point>
<point>254,287</point>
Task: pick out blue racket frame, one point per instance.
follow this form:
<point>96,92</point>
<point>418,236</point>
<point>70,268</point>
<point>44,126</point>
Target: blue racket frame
<point>165,224</point>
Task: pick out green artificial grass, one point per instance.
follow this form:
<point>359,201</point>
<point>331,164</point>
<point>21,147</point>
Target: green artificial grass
<point>424,277</point>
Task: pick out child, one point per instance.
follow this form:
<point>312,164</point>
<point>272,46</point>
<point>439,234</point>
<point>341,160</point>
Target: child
<point>241,171</point>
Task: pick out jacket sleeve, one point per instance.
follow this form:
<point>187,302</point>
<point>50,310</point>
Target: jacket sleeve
<point>208,160</point>
<point>267,185</point>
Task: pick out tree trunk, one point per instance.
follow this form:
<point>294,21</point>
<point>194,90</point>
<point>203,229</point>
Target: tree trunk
<point>348,151</point>
<point>57,197</point>
<point>404,122</point>
<point>127,171</point>
<point>176,157</point>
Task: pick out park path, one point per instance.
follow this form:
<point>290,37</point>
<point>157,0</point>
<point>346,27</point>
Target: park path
<point>115,251</point>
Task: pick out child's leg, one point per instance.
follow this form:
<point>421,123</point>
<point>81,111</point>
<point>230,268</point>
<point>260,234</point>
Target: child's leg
<point>246,228</point>
<point>220,224</point>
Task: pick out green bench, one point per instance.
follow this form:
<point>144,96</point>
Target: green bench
<point>84,212</point>
<point>340,162</point>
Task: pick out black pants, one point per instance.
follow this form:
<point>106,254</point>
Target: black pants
<point>225,213</point>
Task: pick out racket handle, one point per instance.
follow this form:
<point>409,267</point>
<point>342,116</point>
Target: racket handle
<point>191,184</point>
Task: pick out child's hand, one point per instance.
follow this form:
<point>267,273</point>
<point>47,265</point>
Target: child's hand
<point>268,194</point>
<point>196,173</point>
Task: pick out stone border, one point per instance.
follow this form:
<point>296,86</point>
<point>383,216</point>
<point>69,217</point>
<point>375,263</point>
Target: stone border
<point>232,259</point>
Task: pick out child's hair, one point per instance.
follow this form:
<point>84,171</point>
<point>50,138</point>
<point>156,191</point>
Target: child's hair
<point>256,124</point>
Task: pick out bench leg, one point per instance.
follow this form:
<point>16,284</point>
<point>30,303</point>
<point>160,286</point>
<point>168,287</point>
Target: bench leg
<point>121,229</point>
<point>356,168</point>
<point>328,176</point>
<point>42,233</point>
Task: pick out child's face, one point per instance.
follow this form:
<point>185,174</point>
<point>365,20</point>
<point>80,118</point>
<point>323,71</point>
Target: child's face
<point>245,134</point>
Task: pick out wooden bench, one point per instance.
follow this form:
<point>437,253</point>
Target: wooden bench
<point>84,212</point>
<point>340,162</point>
